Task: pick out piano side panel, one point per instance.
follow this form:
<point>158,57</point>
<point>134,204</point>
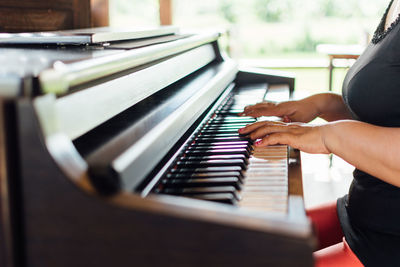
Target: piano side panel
<point>5,220</point>
<point>10,198</point>
<point>64,226</point>
<point>295,174</point>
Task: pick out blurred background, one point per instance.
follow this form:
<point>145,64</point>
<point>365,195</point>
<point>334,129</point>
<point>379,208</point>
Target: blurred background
<point>279,34</point>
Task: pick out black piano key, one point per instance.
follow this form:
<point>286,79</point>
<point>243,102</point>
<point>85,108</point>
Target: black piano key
<point>205,175</point>
<point>229,112</point>
<point>196,147</point>
<point>234,156</point>
<point>223,126</point>
<point>211,182</point>
<point>219,131</point>
<point>220,139</point>
<point>218,135</point>
<point>227,126</point>
<point>234,118</point>
<point>211,163</point>
<point>216,144</point>
<point>208,169</point>
<point>217,152</point>
<point>202,190</point>
<point>223,120</point>
<point>222,198</point>
<point>231,108</point>
<point>235,107</point>
<point>230,122</point>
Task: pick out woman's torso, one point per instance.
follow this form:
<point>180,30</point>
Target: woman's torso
<point>371,90</point>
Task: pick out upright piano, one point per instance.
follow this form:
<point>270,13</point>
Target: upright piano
<point>127,154</point>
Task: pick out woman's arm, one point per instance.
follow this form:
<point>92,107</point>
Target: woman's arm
<point>331,107</point>
<point>372,149</point>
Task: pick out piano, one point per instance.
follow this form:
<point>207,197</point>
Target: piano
<point>127,154</point>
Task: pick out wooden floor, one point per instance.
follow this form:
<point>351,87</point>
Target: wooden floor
<point>324,182</point>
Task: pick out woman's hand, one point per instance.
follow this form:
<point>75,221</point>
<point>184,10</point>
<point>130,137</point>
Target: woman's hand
<point>328,106</point>
<point>296,111</point>
<point>305,137</point>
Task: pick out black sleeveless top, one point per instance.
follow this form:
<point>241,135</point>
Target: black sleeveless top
<point>370,213</point>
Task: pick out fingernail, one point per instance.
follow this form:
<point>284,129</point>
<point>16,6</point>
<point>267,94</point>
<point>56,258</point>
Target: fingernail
<point>286,119</point>
<point>241,130</point>
<point>258,142</point>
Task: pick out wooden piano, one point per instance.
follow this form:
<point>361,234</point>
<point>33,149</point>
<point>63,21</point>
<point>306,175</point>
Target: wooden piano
<point>127,154</point>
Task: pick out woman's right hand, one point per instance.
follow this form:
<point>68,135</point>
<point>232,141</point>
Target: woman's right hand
<point>304,110</point>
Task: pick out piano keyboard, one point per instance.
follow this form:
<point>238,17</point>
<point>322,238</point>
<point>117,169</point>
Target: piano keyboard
<point>218,164</point>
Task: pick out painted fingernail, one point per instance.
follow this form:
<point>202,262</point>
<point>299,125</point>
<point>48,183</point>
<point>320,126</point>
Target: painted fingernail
<point>286,119</point>
<point>241,130</point>
<point>258,142</point>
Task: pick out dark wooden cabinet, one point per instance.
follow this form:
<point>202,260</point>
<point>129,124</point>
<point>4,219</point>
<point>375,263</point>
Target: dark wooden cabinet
<point>39,15</point>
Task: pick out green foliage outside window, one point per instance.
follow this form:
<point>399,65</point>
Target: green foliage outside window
<point>264,28</point>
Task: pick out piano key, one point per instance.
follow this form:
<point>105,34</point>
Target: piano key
<point>227,122</point>
<point>207,169</point>
<point>211,163</point>
<point>218,152</point>
<point>203,190</point>
<point>211,182</point>
<point>232,118</point>
<point>227,126</point>
<point>196,147</point>
<point>229,112</point>
<point>217,127</point>
<point>266,183</point>
<point>236,106</point>
<point>218,135</point>
<point>222,198</point>
<point>232,108</point>
<point>226,139</point>
<point>205,175</point>
<point>234,156</point>
<point>217,144</point>
<point>219,131</point>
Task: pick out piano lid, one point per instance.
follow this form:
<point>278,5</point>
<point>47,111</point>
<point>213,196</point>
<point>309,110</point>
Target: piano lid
<point>86,36</point>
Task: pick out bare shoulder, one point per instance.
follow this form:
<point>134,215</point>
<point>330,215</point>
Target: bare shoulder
<point>393,13</point>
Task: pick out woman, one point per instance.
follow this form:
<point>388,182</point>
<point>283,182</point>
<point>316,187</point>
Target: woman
<point>363,128</point>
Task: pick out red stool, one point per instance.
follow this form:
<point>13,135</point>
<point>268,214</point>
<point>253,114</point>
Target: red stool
<point>333,248</point>
<point>336,255</point>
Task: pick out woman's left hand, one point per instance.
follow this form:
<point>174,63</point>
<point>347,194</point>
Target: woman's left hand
<point>305,137</point>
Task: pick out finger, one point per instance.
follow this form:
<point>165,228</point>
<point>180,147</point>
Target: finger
<point>260,109</point>
<point>258,112</point>
<point>268,130</point>
<point>258,105</point>
<point>251,127</point>
<point>275,139</point>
